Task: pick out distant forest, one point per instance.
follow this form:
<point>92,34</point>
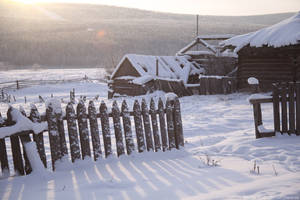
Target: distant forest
<point>83,35</point>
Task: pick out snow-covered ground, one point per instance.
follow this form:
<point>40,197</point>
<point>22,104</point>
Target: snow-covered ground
<point>218,128</point>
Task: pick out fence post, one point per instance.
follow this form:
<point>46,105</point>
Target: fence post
<point>127,128</point>
<point>105,129</point>
<point>276,108</point>
<point>83,130</point>
<point>284,108</point>
<point>18,86</point>
<point>3,155</point>
<point>291,108</point>
<point>154,125</point>
<point>162,122</point>
<point>138,126</point>
<point>178,124</point>
<point>117,128</point>
<point>54,138</point>
<point>298,108</point>
<point>257,118</point>
<point>94,130</point>
<point>72,132</point>
<point>146,120</point>
<point>38,138</point>
<point>61,131</point>
<point>170,123</point>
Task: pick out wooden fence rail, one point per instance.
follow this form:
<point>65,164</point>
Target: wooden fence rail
<point>83,126</point>
<point>286,110</point>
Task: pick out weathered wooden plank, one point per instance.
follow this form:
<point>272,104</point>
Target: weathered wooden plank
<point>162,124</point>
<point>257,119</point>
<point>291,108</point>
<point>276,115</point>
<point>202,88</point>
<point>15,147</point>
<point>3,154</point>
<point>127,128</point>
<point>178,124</point>
<point>94,130</point>
<point>152,112</point>
<point>72,132</point>
<point>83,130</point>
<point>283,91</point>
<point>105,129</point>
<point>61,131</point>
<point>117,128</point>
<point>38,138</point>
<point>170,123</point>
<point>298,108</point>
<point>147,128</point>
<point>138,126</point>
<point>54,137</point>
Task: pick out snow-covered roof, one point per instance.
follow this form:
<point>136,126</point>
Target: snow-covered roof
<point>169,67</point>
<point>284,33</point>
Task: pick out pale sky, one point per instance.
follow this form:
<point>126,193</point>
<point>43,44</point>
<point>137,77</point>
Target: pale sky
<point>201,7</point>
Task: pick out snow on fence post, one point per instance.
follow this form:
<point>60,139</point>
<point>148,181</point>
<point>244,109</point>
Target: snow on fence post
<point>162,122</point>
<point>38,138</point>
<point>3,155</point>
<point>127,128</point>
<point>170,123</point>
<point>94,130</point>
<point>83,130</point>
<point>276,108</point>
<point>154,125</point>
<point>25,138</point>
<point>284,108</point>
<point>117,128</point>
<point>291,108</point>
<point>105,129</point>
<point>15,147</point>
<point>55,144</point>
<point>72,132</point>
<point>298,108</point>
<point>138,126</point>
<point>178,124</point>
<point>147,128</point>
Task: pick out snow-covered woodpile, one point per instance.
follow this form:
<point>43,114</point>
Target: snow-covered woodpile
<point>140,74</point>
<point>270,54</point>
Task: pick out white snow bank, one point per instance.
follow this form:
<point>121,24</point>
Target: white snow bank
<point>262,129</point>
<point>34,158</point>
<point>284,33</point>
<point>22,124</point>
<point>253,81</point>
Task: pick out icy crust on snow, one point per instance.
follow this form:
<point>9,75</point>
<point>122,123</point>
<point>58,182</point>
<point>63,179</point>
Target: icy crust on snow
<point>172,67</point>
<point>284,33</point>
<point>22,124</point>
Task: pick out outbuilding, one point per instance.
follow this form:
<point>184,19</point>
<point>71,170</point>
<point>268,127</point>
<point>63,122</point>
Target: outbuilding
<point>271,54</point>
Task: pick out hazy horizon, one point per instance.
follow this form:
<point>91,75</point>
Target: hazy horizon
<point>213,7</point>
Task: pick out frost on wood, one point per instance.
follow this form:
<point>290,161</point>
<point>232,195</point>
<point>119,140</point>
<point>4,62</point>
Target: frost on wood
<point>162,122</point>
<point>127,128</point>
<point>105,129</point>
<point>154,125</point>
<point>83,130</point>
<point>170,123</point>
<point>138,126</point>
<point>117,127</point>
<point>22,123</point>
<point>146,120</point>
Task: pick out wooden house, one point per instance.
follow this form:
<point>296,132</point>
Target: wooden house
<point>271,54</point>
<point>141,74</point>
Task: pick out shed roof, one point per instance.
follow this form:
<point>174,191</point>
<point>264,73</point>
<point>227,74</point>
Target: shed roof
<point>169,67</point>
<point>284,33</point>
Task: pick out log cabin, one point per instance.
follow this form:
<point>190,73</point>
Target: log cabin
<point>271,54</point>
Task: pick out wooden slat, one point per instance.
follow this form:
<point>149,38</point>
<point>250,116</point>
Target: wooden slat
<point>276,115</point>
<point>283,90</point>
<point>61,132</point>
<point>152,112</point>
<point>257,118</point>
<point>147,128</point>
<point>94,130</point>
<point>291,100</point>
<point>298,108</point>
<point>127,128</point>
<point>83,130</point>
<point>178,124</point>
<point>138,126</point>
<point>162,123</point>
<point>170,124</point>
<point>72,132</point>
<point>54,137</point>
<point>38,138</point>
<point>117,128</point>
<point>3,154</point>
<point>105,129</point>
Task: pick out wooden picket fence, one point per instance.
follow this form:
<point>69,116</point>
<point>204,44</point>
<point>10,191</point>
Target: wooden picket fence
<point>286,110</point>
<point>155,129</point>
